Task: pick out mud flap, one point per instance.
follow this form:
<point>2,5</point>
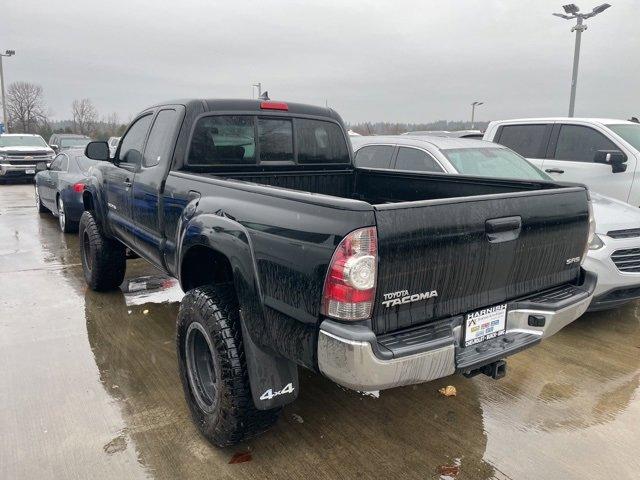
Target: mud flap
<point>273,379</point>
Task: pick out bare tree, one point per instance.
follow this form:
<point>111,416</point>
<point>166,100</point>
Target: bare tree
<point>85,116</point>
<point>25,107</point>
<point>112,124</point>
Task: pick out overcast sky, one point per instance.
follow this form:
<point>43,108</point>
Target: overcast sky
<point>394,61</point>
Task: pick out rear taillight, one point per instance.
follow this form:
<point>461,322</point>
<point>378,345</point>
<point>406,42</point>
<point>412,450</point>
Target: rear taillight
<point>591,233</point>
<point>78,187</point>
<point>350,285</point>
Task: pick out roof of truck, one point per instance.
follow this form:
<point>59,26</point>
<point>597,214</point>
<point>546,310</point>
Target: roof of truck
<point>604,121</point>
<point>442,143</point>
<point>248,105</point>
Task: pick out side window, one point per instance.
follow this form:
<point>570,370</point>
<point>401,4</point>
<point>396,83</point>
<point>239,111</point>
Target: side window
<point>57,163</point>
<point>275,138</point>
<point>133,141</point>
<point>527,140</point>
<point>580,144</point>
<point>160,140</point>
<point>223,140</point>
<point>64,164</point>
<point>414,159</point>
<point>374,156</point>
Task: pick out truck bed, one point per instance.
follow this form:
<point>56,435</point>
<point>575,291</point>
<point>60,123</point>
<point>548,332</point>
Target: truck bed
<point>435,233</point>
<point>377,186</point>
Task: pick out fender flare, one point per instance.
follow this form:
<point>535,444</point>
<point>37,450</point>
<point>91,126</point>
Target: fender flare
<point>269,373</point>
<point>93,190</point>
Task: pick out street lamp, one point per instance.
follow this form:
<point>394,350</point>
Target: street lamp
<point>473,113</point>
<point>258,86</point>
<point>573,11</point>
<point>7,53</point>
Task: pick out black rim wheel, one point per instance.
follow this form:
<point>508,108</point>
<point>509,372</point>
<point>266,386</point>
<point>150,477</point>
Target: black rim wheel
<point>201,367</point>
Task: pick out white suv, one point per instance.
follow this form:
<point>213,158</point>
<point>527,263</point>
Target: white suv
<point>601,153</point>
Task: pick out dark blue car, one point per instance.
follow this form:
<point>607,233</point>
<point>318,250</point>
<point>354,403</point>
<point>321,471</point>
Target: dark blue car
<point>59,188</point>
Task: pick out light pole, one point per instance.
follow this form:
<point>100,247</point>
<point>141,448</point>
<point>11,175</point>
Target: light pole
<point>573,11</point>
<point>7,53</point>
<point>473,113</point>
<point>259,87</point>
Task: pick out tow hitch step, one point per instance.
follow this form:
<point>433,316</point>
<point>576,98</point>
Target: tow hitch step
<point>495,370</point>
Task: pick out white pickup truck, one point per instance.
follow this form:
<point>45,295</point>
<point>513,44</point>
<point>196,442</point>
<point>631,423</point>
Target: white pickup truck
<point>602,153</point>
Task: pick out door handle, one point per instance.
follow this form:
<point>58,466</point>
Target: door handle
<point>503,229</point>
<point>127,183</point>
<point>554,170</point>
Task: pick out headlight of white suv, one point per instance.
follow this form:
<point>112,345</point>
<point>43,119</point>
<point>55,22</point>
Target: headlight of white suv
<point>596,242</point>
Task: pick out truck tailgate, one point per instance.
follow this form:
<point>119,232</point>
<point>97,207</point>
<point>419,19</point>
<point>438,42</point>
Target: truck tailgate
<point>439,258</point>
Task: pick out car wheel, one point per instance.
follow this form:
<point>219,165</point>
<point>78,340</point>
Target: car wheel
<point>103,259</point>
<point>39,205</point>
<point>66,225</point>
<point>213,369</point>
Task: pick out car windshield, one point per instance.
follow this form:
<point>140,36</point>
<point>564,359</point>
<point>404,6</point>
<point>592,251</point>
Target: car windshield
<point>630,132</point>
<point>22,141</point>
<point>74,142</point>
<point>493,162</point>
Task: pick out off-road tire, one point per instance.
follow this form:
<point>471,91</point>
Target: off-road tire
<point>103,259</point>
<point>233,417</point>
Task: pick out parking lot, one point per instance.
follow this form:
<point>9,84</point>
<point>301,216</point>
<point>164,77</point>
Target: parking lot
<point>89,389</point>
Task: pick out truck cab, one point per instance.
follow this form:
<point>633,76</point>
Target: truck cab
<point>602,153</point>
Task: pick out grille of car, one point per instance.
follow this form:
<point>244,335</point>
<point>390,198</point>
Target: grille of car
<point>26,162</point>
<point>34,156</point>
<point>627,260</point>
<point>628,233</point>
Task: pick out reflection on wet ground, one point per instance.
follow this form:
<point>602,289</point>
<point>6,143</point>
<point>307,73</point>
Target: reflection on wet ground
<point>89,389</point>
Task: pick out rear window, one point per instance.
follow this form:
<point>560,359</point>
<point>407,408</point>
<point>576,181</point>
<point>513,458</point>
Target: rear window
<point>85,163</point>
<point>320,142</point>
<point>275,137</point>
<point>492,162</point>
<point>224,140</point>
<point>527,140</point>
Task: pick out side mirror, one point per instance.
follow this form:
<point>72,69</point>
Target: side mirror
<point>97,151</point>
<point>55,148</point>
<point>41,167</point>
<point>615,158</point>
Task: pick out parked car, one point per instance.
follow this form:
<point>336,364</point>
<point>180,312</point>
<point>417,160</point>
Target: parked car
<point>614,252</point>
<point>59,187</point>
<point>62,141</point>
<point>20,154</point>
<point>291,257</point>
<point>602,153</point>
<point>113,144</point>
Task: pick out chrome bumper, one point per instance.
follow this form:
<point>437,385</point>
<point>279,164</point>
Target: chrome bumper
<point>5,167</point>
<point>346,354</point>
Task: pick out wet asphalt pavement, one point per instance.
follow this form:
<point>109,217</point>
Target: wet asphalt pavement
<point>89,389</point>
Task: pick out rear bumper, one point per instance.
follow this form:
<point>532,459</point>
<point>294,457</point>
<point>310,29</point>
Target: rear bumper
<point>352,355</point>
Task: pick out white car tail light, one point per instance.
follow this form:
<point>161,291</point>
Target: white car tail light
<point>350,284</point>
<point>591,234</point>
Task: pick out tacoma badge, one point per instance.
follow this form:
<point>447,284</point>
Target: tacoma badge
<point>403,296</point>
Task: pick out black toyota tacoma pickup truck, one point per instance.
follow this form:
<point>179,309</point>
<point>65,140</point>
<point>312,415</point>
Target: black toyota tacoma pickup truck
<point>290,256</point>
